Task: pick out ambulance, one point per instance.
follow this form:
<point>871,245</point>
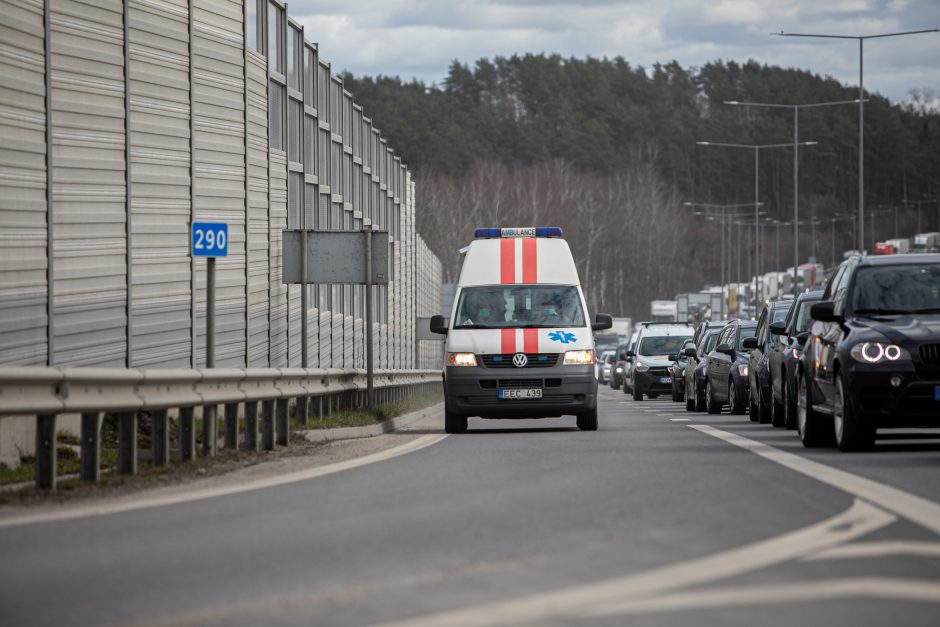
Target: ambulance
<point>519,340</point>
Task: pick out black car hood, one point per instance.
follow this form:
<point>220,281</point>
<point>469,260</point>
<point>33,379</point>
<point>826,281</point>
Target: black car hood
<point>902,330</point>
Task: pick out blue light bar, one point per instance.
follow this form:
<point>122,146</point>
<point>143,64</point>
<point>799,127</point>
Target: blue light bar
<point>529,231</point>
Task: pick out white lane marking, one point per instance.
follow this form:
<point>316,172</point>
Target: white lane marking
<point>859,520</point>
<point>148,501</point>
<point>758,594</point>
<point>878,549</point>
<point>680,420</point>
<point>914,508</point>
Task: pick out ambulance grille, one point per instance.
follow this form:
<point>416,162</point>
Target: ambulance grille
<point>536,360</point>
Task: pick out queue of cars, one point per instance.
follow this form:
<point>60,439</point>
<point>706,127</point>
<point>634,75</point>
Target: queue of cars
<point>835,364</point>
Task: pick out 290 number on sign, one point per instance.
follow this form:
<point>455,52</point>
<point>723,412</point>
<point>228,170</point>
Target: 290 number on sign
<point>210,239</point>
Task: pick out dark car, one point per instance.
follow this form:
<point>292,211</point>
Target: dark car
<point>677,372</point>
<point>759,372</point>
<point>726,369</point>
<point>872,358</point>
<point>785,355</point>
<point>620,361</point>
<point>695,367</point>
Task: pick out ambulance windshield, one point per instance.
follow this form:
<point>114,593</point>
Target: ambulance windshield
<point>519,306</point>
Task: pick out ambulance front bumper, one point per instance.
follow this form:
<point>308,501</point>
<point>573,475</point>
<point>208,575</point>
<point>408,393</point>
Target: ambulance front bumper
<point>476,391</point>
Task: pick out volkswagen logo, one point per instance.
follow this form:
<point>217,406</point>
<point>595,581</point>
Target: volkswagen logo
<point>519,360</point>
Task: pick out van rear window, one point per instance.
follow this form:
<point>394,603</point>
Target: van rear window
<point>519,306</point>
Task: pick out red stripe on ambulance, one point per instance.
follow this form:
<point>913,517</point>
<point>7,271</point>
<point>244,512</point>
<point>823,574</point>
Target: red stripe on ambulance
<point>509,341</point>
<point>507,261</point>
<point>531,339</point>
<point>529,261</point>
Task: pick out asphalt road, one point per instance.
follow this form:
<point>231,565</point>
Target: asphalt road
<point>661,517</point>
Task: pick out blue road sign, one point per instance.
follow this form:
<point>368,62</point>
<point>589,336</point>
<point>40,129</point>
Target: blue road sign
<point>210,239</point>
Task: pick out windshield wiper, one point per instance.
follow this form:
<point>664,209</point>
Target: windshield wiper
<point>927,310</point>
<point>474,326</point>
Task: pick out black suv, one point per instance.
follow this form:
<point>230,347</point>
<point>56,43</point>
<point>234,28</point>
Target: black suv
<point>872,358</point>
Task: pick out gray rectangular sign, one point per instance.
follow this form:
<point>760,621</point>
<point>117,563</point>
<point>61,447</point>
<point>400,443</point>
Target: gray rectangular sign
<point>336,257</point>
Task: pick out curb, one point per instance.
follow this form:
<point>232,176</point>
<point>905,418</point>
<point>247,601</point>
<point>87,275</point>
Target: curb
<point>370,431</point>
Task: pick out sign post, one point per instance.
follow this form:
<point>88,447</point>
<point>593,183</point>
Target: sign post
<point>370,397</point>
<point>210,240</point>
<point>344,257</point>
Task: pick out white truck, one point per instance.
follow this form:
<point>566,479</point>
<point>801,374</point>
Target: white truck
<point>662,311</point>
<point>926,243</point>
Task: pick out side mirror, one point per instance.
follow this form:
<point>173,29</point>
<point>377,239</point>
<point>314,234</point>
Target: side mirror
<point>690,352</point>
<point>602,322</point>
<point>777,328</point>
<point>631,354</point>
<point>725,349</point>
<point>749,343</point>
<point>824,311</point>
<point>802,337</point>
<point>439,325</point>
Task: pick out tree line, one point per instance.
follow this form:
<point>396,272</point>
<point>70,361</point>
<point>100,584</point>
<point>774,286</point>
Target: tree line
<point>607,150</point>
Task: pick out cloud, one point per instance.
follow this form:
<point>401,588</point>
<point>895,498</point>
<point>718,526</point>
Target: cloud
<point>419,38</point>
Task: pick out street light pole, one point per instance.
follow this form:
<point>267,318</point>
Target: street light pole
<point>725,265</point>
<point>796,179</point>
<point>757,148</point>
<point>861,109</point>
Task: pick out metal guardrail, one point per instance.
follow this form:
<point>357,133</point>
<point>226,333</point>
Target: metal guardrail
<point>91,392</point>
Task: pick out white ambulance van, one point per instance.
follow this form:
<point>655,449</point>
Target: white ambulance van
<point>519,341</point>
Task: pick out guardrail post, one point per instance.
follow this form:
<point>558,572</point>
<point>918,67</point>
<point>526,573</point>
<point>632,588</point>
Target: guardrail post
<point>91,447</point>
<point>283,422</point>
<point>231,426</point>
<point>302,410</point>
<point>267,425</point>
<point>45,452</point>
<point>210,430</point>
<point>318,408</point>
<point>251,425</point>
<point>329,405</point>
<point>187,434</point>
<point>127,443</point>
<point>160,438</point>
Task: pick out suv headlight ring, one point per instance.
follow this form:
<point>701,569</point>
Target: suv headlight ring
<point>879,353</point>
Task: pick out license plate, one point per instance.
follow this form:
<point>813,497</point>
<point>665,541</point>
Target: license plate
<point>520,394</point>
<point>665,379</point>
<point>936,393</point>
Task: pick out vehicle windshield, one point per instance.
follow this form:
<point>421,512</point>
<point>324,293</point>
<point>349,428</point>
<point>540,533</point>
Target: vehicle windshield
<point>911,288</point>
<point>662,345</point>
<point>519,306</point>
<point>802,315</point>
<point>745,332</point>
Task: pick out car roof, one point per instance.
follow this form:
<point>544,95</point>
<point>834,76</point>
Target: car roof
<point>667,330</point>
<point>898,260</point>
<point>813,294</point>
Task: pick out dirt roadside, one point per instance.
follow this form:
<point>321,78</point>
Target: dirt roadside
<point>229,468</point>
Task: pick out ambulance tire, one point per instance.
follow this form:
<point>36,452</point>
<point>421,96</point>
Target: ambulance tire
<point>454,423</point>
<point>588,420</point>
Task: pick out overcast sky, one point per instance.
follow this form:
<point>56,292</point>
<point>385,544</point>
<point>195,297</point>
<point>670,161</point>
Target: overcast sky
<point>419,38</point>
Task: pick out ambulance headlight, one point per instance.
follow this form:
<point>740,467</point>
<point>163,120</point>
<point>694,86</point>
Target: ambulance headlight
<point>575,358</point>
<point>461,359</point>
